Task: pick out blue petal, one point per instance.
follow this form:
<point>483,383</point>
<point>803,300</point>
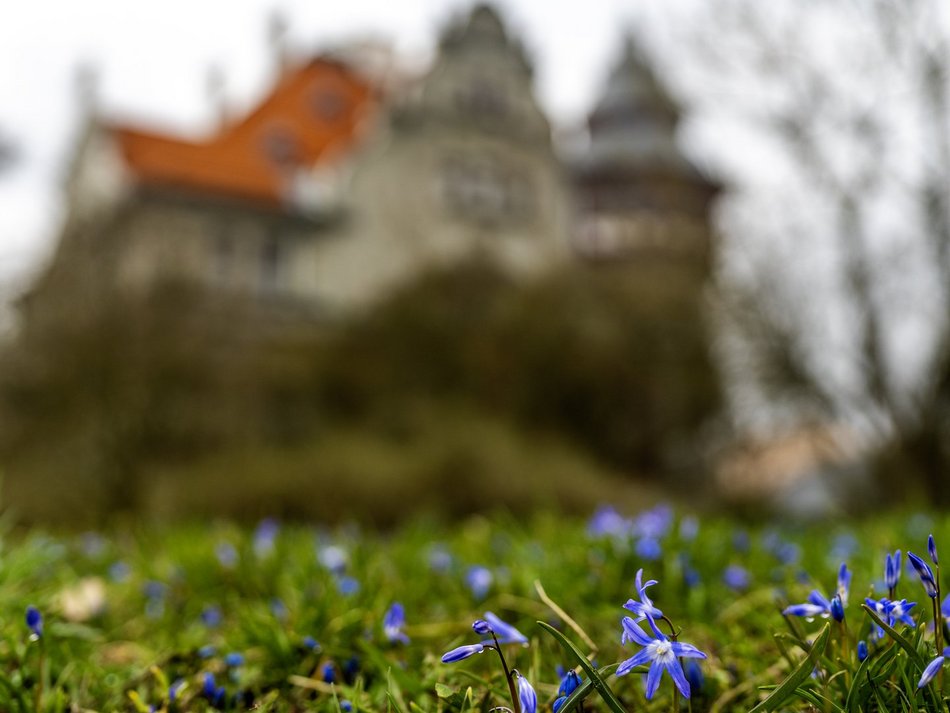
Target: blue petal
<point>816,598</point>
<point>932,668</point>
<point>653,679</point>
<point>506,633</point>
<point>687,651</point>
<point>805,610</point>
<point>527,696</point>
<point>656,632</point>
<point>679,678</point>
<point>569,682</point>
<point>844,583</point>
<point>638,659</point>
<point>462,652</point>
<point>634,632</point>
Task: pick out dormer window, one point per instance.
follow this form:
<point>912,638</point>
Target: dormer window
<point>327,104</point>
<point>281,147</point>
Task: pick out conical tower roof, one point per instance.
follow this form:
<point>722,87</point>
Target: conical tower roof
<point>633,124</point>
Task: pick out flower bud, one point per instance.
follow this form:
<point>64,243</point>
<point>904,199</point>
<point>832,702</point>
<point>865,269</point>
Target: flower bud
<point>837,608</point>
<point>482,627</point>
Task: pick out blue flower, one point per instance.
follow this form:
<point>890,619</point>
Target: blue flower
<point>329,673</point>
<point>932,549</point>
<point>661,653</point>
<point>504,632</point>
<point>34,621</point>
<point>119,571</point>
<point>440,559</point>
<point>234,659</point>
<point>862,650</point>
<point>689,528</point>
<point>932,668</point>
<point>736,577</point>
<point>898,611</point>
<point>526,695</point>
<point>817,605</point>
<point>308,642</point>
<point>891,613</point>
<point>836,609</point>
<point>346,706</point>
<point>393,622</point>
<point>844,584</point>
<point>569,683</point>
<point>265,536</point>
<point>463,652</point>
<point>347,586</point>
<point>892,570</point>
<point>844,545</point>
<point>925,573</point>
<point>479,580</point>
<point>608,522</point>
<point>643,608</point>
<point>649,549</point>
<point>334,558</point>
<point>653,524</point>
<point>211,616</point>
<point>278,609</point>
<point>212,691</point>
<point>227,555</point>
<point>210,686</point>
<point>481,627</point>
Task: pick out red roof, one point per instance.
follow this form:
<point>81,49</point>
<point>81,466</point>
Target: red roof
<point>313,116</point>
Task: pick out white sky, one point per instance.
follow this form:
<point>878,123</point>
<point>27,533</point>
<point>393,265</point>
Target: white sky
<point>152,57</point>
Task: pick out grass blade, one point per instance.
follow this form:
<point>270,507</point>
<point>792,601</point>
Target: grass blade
<point>598,683</point>
<point>585,689</point>
<point>799,675</point>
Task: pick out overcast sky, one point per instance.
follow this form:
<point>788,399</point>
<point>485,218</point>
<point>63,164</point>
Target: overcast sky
<point>152,58</point>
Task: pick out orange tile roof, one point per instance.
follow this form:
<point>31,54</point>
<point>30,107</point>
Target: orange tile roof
<point>313,115</point>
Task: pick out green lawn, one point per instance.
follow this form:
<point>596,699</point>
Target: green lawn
<point>299,615</point>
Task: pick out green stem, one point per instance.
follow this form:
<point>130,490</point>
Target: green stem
<point>515,704</point>
<point>38,700</point>
<point>938,617</point>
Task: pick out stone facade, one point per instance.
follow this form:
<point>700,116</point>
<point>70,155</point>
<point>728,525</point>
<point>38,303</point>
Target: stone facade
<point>333,190</point>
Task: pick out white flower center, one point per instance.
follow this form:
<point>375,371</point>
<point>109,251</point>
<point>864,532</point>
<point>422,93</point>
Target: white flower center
<point>661,651</point>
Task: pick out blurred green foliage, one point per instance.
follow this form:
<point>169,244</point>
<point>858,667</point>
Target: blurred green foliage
<point>463,389</point>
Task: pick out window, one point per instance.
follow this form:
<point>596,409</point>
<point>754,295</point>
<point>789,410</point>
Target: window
<point>486,191</point>
<point>281,147</point>
<point>327,104</point>
<point>271,264</point>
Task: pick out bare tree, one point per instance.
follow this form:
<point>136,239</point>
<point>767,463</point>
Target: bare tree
<point>836,255</point>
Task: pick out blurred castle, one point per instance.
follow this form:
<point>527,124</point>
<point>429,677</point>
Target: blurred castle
<point>347,180</point>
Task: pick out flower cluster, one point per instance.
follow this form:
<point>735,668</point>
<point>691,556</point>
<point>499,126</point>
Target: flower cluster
<point>818,605</point>
<point>523,696</point>
<point>662,653</point>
